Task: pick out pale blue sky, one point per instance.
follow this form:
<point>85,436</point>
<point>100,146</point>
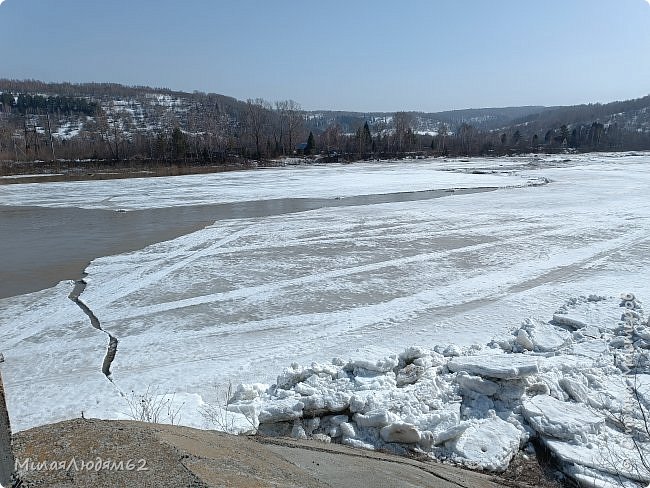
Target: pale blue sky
<point>341,54</point>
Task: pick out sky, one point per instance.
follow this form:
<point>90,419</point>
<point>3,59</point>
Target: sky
<point>361,55</point>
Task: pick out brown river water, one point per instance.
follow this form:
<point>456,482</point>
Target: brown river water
<point>41,246</point>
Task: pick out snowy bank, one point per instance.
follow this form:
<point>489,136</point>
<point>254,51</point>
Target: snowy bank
<point>582,391</point>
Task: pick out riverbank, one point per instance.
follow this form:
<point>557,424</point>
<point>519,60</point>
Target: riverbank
<point>95,170</point>
<point>49,171</point>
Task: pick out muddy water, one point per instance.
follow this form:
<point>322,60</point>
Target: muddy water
<point>41,246</point>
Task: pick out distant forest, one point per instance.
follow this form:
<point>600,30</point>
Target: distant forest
<point>112,123</point>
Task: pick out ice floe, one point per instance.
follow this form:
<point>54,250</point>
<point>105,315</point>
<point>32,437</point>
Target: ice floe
<point>583,396</point>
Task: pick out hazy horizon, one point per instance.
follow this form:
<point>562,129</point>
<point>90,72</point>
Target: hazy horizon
<point>366,57</point>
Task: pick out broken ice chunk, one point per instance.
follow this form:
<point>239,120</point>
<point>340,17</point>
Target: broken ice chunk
<point>476,384</point>
<point>281,410</point>
<point>568,322</point>
<point>490,443</point>
<point>541,336</point>
<point>400,432</point>
<point>502,366</point>
<point>375,419</point>
<point>562,420</point>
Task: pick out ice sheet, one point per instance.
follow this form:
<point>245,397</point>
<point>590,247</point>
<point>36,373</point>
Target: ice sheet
<point>241,299</point>
<point>331,181</point>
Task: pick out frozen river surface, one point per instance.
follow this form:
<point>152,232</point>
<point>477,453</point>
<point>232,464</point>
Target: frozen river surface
<point>243,298</point>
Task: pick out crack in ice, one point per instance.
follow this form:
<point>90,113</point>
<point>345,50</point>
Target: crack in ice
<point>111,350</point>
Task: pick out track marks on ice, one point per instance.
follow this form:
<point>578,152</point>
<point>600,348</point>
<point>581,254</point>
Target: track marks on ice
<point>145,276</point>
<point>512,279</point>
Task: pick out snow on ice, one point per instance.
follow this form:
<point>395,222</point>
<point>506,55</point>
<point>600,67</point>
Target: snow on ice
<point>243,298</point>
<point>315,181</point>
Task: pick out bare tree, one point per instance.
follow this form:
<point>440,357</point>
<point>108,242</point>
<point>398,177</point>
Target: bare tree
<point>291,122</point>
<point>403,123</point>
<point>257,120</point>
<point>51,139</point>
<point>333,137</point>
<point>113,129</point>
<point>466,135</point>
<point>443,132</point>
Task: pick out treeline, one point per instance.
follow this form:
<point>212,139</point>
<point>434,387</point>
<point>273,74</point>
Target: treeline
<point>39,104</point>
<point>96,90</point>
<point>265,132</point>
<point>112,123</point>
<point>518,140</point>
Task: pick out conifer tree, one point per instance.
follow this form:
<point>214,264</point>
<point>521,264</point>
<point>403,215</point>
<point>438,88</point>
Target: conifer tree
<point>311,144</point>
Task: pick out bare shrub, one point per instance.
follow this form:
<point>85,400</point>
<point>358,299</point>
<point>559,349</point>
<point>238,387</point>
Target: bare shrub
<point>218,413</point>
<point>153,407</point>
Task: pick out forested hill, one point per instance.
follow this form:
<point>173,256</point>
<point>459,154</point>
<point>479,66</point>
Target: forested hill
<point>107,121</point>
<point>624,123</point>
<point>635,113</point>
<point>481,118</point>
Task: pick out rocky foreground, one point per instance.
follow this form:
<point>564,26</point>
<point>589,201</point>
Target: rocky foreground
<point>137,454</point>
